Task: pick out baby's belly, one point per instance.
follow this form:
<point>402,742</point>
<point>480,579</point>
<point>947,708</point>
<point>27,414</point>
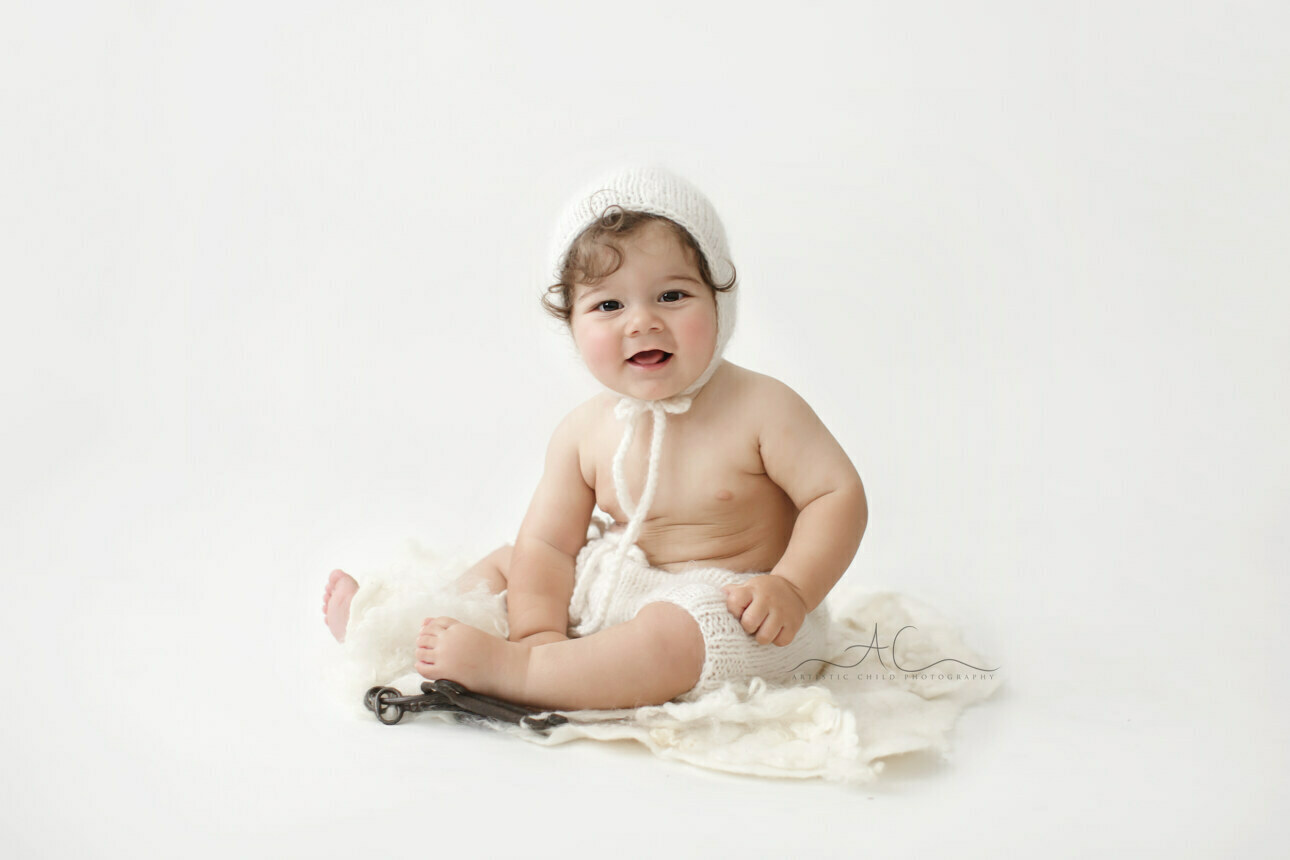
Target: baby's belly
<point>753,546</point>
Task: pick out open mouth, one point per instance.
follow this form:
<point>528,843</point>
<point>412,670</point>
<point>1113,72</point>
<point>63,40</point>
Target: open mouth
<point>650,358</point>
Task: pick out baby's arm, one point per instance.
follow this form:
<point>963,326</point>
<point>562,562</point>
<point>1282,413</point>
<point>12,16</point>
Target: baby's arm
<point>540,579</point>
<point>802,457</point>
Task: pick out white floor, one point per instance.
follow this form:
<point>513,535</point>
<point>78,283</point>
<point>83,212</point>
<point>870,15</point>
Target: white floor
<point>269,309</point>
<point>164,701</point>
<point>156,721</point>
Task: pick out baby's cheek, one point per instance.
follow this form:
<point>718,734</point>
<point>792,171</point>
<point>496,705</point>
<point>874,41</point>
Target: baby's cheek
<point>598,348</point>
<point>700,332</point>
<point>600,344</point>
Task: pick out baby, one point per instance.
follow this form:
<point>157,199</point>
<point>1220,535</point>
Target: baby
<point>747,511</point>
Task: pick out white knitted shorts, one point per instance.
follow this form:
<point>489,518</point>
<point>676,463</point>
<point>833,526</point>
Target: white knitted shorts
<point>606,597</point>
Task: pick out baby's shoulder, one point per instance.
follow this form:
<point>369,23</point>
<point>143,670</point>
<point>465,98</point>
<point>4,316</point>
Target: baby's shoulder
<point>595,411</point>
<point>759,393</point>
<point>587,424</point>
<point>583,419</point>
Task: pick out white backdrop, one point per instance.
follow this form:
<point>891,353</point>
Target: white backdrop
<point>271,279</point>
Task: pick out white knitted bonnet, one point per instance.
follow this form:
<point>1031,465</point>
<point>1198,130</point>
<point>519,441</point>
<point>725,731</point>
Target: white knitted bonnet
<point>658,191</point>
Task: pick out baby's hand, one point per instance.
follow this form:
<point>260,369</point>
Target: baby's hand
<point>768,606</point>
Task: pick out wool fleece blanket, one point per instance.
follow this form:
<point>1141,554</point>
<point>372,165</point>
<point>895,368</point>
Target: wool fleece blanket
<point>894,679</point>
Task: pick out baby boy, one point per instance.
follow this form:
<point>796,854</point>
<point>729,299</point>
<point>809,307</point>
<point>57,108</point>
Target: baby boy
<point>734,510</point>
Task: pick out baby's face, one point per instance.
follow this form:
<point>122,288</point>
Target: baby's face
<point>655,301</point>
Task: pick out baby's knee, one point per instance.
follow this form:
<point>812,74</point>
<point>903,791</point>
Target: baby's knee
<point>674,637</point>
<point>501,557</point>
<point>493,569</point>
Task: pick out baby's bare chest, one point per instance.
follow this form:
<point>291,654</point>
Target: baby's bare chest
<point>713,501</point>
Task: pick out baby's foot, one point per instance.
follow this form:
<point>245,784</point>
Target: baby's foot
<point>481,662</point>
<point>336,599</point>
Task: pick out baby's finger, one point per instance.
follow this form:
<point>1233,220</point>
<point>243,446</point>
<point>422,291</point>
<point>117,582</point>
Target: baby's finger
<point>753,616</point>
<point>737,599</point>
<point>785,636</point>
<point>769,630</point>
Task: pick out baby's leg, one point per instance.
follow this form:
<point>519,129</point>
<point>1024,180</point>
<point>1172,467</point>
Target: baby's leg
<point>652,659</point>
<point>491,569</point>
<point>341,588</point>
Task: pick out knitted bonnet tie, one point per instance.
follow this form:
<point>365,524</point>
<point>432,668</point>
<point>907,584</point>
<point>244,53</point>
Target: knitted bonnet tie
<point>658,191</point>
<point>630,409</point>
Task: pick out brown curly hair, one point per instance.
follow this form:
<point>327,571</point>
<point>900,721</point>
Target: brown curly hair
<point>587,265</point>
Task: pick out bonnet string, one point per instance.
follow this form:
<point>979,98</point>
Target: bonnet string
<point>630,409</point>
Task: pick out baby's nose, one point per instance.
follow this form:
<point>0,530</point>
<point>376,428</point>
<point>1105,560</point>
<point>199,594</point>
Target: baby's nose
<point>643,319</point>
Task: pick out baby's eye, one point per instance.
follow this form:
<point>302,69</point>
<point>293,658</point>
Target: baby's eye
<point>679,294</point>
<point>601,306</point>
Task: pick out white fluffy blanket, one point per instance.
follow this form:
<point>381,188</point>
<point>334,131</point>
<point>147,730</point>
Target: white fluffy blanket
<point>867,705</point>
